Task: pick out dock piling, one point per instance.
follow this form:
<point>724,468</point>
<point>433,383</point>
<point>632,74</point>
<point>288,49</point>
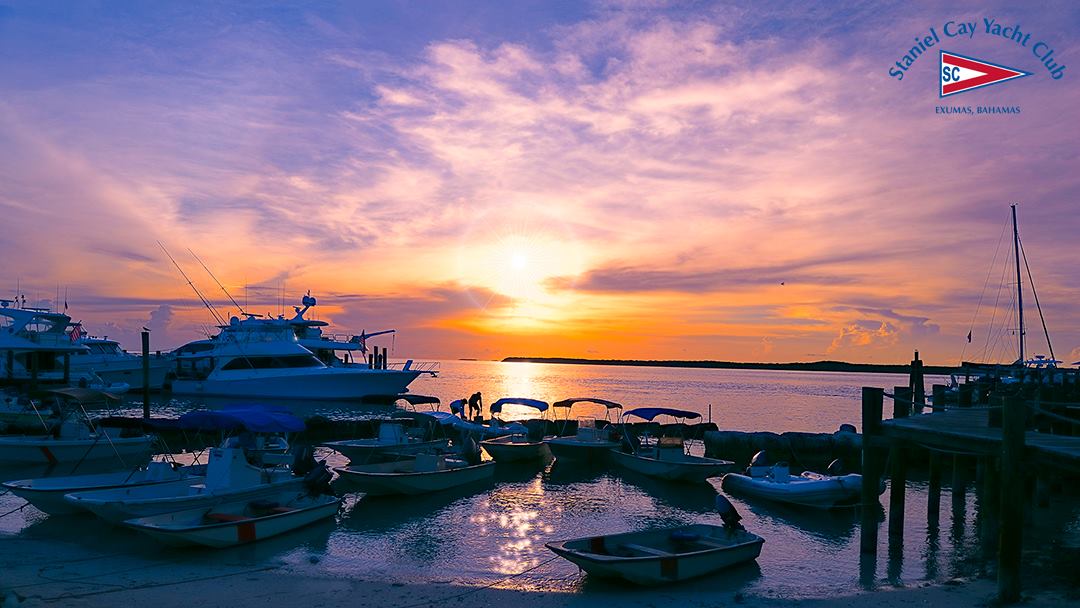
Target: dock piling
<point>872,402</point>
<point>933,499</point>
<point>1010,543</point>
<point>146,374</point>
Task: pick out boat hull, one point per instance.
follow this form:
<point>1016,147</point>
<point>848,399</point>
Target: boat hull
<point>506,449</point>
<point>132,451</point>
<point>375,483</point>
<point>363,450</point>
<point>177,496</point>
<point>47,493</point>
<point>592,452</point>
<point>822,493</point>
<point>330,383</point>
<point>693,469</point>
<point>648,558</point>
<point>183,528</point>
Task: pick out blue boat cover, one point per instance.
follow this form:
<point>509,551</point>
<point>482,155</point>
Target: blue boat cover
<point>254,420</point>
<point>533,403</point>
<point>649,413</point>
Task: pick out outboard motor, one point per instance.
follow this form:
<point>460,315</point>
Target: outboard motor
<point>317,480</point>
<point>303,460</point>
<point>759,465</point>
<point>836,468</point>
<point>470,450</point>
<point>728,513</point>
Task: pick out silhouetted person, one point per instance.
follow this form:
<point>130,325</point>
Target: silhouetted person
<point>475,403</point>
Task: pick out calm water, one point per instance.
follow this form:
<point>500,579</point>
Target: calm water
<point>740,400</point>
<point>484,534</point>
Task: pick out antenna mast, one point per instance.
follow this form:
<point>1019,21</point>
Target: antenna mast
<point>1019,283</point>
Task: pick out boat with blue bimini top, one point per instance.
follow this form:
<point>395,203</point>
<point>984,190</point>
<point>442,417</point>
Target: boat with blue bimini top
<point>516,447</point>
<point>665,457</point>
<point>591,442</point>
<point>393,436</point>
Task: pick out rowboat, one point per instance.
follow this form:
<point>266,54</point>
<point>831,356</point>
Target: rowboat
<point>808,489</point>
<point>237,522</point>
<point>590,443</point>
<point>663,555</point>
<point>666,457</point>
<point>47,493</point>
<point>419,474</point>
<point>517,447</point>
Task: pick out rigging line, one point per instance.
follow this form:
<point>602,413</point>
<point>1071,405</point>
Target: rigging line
<point>227,294</point>
<point>202,298</point>
<point>986,282</point>
<point>993,315</point>
<point>1031,281</point>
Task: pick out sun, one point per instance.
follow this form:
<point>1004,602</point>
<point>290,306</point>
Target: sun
<point>519,260</point>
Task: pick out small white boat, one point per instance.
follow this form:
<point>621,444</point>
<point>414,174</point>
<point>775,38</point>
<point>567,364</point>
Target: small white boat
<point>516,447</point>
<point>229,475</point>
<point>238,522</point>
<point>421,474</point>
<point>809,489</point>
<point>664,555</point>
<point>590,443</point>
<point>47,493</point>
<point>667,457</point>
<point>392,437</point>
<point>72,441</point>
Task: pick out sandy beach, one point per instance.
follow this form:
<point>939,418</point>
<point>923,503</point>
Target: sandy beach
<point>49,573</point>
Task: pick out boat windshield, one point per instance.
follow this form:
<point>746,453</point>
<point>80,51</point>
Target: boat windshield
<point>275,362</point>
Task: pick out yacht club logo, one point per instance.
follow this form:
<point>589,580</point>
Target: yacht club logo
<point>960,73</point>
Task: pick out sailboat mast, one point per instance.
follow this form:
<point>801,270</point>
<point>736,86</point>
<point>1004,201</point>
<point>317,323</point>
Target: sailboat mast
<point>1019,284</point>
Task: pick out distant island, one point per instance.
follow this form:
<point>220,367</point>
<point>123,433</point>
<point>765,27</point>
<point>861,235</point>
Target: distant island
<point>814,366</point>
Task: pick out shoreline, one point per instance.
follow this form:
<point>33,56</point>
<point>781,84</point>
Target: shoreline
<point>814,366</point>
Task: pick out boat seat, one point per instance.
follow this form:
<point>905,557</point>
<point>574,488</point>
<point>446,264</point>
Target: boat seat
<point>712,543</point>
<point>644,549</point>
<point>225,517</point>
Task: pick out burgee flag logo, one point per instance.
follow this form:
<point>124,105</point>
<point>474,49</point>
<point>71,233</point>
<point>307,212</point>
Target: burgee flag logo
<point>960,74</point>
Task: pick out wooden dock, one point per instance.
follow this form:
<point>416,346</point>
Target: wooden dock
<point>968,430</point>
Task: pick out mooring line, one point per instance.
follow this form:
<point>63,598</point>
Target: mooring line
<point>70,596</point>
<point>24,505</point>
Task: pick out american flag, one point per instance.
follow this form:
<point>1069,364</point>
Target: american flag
<point>76,332</point>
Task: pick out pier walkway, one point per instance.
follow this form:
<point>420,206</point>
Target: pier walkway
<point>969,430</point>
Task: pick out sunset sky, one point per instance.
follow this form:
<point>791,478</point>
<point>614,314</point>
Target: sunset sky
<point>685,180</point>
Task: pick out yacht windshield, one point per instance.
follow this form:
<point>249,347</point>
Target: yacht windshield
<point>278,362</point>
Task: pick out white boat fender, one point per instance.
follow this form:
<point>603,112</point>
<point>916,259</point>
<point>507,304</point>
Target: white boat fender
<point>728,514</point>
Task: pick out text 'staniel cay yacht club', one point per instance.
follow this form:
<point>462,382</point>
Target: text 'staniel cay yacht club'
<point>276,358</point>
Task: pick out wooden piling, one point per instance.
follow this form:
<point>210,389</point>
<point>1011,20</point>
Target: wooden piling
<point>897,490</point>
<point>1010,543</point>
<point>938,391</point>
<point>989,500</point>
<point>917,383</point>
<point>146,374</point>
<point>902,400</point>
<point>933,499</point>
<point>872,401</point>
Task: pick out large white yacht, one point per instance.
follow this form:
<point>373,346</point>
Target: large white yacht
<point>105,358</point>
<point>265,357</point>
<point>34,343</point>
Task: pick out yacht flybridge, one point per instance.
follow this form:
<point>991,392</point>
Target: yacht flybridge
<point>266,357</point>
<point>34,344</point>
